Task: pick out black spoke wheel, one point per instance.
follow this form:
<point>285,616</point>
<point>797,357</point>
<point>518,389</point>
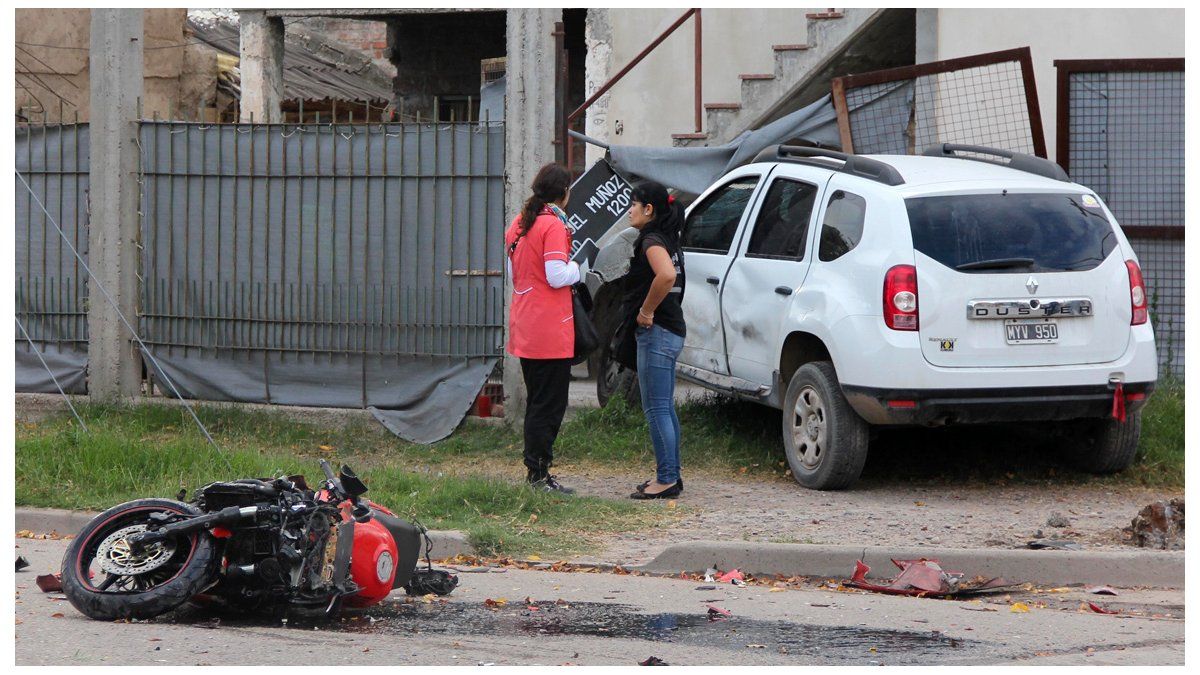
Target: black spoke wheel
<point>105,578</point>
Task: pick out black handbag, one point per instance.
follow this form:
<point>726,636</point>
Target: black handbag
<point>623,348</point>
<point>586,338</point>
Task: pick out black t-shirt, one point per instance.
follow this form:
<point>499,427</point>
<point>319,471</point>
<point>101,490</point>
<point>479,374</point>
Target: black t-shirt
<point>669,313</point>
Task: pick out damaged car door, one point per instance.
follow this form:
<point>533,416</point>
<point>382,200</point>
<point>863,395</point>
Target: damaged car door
<point>709,242</point>
<point>770,267</point>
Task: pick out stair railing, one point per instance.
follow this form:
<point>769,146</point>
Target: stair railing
<point>568,140</point>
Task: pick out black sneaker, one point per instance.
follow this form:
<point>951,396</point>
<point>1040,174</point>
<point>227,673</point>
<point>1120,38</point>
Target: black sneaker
<point>551,484</point>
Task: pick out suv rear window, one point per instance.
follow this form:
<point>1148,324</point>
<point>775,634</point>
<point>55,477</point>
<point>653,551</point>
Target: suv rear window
<point>1012,232</point>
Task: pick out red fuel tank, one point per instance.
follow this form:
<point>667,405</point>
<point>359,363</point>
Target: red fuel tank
<point>372,562</point>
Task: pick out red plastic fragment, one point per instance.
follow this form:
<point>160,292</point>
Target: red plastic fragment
<point>1118,407</point>
<point>1100,610</point>
<point>221,532</point>
<point>49,583</point>
<point>730,576</point>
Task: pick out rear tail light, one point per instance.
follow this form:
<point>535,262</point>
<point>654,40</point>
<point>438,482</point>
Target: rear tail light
<point>1137,293</point>
<point>900,311</point>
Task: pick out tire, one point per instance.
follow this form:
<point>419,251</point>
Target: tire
<point>187,571</point>
<point>613,379</point>
<point>825,440</point>
<point>1103,446</point>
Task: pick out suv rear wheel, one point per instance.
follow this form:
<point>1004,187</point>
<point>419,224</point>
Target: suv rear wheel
<point>825,440</point>
<point>1104,445</point>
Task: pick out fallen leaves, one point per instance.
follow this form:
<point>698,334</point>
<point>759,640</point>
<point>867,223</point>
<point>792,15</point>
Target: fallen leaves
<point>495,604</point>
<point>57,615</point>
<point>1019,608</point>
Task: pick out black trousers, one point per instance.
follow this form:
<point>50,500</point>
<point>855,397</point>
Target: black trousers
<point>547,381</point>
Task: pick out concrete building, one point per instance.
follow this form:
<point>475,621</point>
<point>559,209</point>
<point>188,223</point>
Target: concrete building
<point>53,69</point>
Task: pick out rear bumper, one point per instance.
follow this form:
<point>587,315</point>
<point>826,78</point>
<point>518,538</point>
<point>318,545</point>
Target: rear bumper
<point>935,407</point>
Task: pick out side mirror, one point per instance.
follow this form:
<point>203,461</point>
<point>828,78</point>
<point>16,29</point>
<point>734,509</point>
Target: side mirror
<point>350,482</point>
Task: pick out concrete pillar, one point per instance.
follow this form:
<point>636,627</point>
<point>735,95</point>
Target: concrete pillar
<point>529,136</point>
<point>261,65</point>
<point>114,365</point>
<point>598,37</point>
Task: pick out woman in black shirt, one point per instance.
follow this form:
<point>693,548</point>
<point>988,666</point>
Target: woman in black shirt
<point>654,290</point>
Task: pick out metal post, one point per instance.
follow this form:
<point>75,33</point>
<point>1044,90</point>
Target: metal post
<point>116,85</point>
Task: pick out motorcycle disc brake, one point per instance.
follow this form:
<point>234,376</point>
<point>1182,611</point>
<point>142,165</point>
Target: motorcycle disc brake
<point>115,556</point>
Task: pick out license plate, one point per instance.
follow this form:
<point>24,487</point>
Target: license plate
<point>1027,332</point>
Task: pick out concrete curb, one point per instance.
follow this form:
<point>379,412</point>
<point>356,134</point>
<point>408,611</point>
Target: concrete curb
<point>446,543</point>
<point>1164,569</point>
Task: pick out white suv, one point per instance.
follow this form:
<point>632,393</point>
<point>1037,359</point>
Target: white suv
<point>966,285</point>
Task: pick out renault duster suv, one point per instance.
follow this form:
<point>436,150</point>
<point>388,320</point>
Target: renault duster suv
<point>966,285</point>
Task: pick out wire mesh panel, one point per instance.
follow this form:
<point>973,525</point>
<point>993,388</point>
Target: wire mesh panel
<point>51,286</point>
<point>987,99</point>
<point>306,254</point>
<point>1121,132</point>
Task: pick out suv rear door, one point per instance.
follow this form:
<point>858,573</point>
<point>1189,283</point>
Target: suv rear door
<point>709,241</point>
<point>1018,279</point>
<point>771,265</point>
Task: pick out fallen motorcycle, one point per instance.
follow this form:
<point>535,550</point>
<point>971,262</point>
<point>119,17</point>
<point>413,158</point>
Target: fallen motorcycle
<point>250,544</point>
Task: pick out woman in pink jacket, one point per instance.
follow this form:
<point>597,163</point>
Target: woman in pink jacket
<point>541,329</point>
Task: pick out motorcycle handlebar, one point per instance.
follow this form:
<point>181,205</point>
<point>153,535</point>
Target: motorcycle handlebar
<point>328,471</point>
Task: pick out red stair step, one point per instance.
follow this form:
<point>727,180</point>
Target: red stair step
<point>757,76</point>
<point>723,106</point>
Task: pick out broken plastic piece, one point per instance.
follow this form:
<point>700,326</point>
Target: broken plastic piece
<point>925,577</point>
<point>1055,544</point>
<point>1100,610</point>
<point>653,661</point>
<point>731,576</point>
<point>50,583</point>
<point>1101,590</point>
<point>718,613</point>
<point>22,563</point>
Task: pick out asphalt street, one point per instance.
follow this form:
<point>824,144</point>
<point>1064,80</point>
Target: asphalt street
<point>610,619</point>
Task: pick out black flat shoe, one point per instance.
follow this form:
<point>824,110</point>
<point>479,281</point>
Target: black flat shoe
<point>669,493</point>
<point>678,483</point>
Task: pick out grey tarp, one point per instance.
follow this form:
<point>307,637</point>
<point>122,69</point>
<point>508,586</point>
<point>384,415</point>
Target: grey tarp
<point>68,362</point>
<point>421,399</point>
<point>694,169</point>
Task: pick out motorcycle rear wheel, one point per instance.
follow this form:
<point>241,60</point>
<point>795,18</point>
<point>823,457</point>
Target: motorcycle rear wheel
<point>144,586</point>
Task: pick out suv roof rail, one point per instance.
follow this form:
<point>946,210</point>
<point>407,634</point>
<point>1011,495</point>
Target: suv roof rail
<point>855,165</point>
<point>1016,160</point>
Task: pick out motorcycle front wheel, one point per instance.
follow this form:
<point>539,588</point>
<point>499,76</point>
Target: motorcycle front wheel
<point>105,580</point>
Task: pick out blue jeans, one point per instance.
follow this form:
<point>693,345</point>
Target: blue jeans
<point>657,350</point>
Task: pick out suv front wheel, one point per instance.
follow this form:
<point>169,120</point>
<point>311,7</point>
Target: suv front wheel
<point>825,440</point>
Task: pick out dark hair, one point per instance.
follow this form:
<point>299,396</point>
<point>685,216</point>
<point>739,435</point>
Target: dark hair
<point>549,185</point>
<point>668,214</point>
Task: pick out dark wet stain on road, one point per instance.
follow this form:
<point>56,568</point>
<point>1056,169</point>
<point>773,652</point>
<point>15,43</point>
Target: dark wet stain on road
<point>602,620</point>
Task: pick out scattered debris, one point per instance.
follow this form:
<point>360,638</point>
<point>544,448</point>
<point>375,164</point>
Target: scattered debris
<point>710,575</point>
<point>718,613</point>
<point>1098,609</point>
<point>1158,525</point>
<point>1019,607</point>
<point>1101,590</point>
<point>706,588</point>
<point>760,647</point>
<point>731,576</point>
<point>49,583</point>
<point>1059,520</point>
<point>211,624</point>
<point>1055,544</point>
<point>925,577</point>
<point>495,604</point>
<point>653,661</point>
<point>57,615</point>
<point>22,563</point>
<point>980,609</point>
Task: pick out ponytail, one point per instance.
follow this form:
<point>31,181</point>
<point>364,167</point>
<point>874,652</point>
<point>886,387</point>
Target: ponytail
<point>549,185</point>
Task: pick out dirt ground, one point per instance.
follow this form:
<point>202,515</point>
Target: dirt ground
<point>944,517</point>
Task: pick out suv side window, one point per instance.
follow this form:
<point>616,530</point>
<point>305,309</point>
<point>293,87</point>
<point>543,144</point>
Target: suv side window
<point>782,227</point>
<point>843,225</point>
<point>711,226</point>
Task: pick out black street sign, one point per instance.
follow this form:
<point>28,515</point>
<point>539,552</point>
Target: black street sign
<point>599,198</point>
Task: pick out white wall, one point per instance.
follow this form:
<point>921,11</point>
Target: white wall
<point>1054,34</point>
<point>655,99</point>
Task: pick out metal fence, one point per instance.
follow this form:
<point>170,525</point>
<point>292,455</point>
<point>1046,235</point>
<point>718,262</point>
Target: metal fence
<point>322,247</point>
<point>1121,132</point>
<point>986,99</point>
<point>51,286</point>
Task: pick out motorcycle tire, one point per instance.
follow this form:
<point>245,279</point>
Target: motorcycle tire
<point>190,568</point>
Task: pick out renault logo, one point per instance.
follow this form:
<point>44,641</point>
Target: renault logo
<point>1031,285</point>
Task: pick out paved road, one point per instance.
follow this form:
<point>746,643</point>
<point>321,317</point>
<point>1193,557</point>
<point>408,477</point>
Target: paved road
<point>606,619</point>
